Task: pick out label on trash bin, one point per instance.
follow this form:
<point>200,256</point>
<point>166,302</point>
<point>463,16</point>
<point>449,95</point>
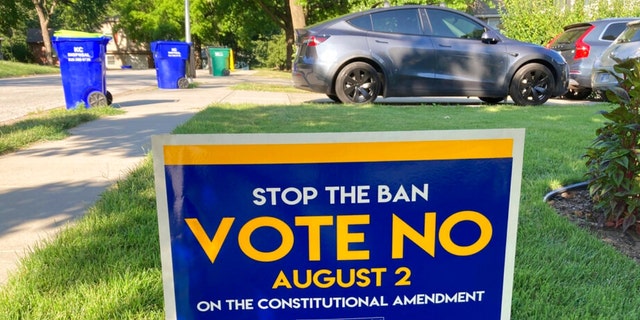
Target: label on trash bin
<point>378,225</point>
<point>78,55</point>
<point>174,53</point>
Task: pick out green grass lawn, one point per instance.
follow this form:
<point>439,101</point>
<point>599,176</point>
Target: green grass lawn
<point>46,126</point>
<point>16,69</point>
<point>107,265</point>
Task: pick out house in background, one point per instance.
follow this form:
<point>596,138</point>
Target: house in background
<point>487,11</point>
<point>36,46</point>
<point>122,53</point>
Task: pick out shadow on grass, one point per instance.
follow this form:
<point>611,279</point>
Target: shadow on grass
<point>117,242</point>
<point>113,251</point>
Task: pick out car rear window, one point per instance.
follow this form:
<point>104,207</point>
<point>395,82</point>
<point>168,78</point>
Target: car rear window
<point>613,31</point>
<point>571,35</point>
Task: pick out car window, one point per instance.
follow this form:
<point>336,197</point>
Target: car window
<point>631,34</point>
<point>452,25</point>
<point>404,21</point>
<point>363,22</point>
<point>613,31</point>
<point>571,35</point>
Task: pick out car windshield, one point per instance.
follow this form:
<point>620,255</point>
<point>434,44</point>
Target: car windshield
<point>631,34</point>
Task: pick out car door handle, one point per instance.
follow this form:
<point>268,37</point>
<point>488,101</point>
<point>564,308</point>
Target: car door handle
<point>444,45</point>
<point>380,41</point>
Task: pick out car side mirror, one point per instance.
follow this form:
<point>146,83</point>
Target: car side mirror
<point>490,37</point>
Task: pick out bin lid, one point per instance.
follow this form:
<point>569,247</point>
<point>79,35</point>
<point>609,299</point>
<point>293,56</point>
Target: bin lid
<point>71,34</point>
<point>162,43</point>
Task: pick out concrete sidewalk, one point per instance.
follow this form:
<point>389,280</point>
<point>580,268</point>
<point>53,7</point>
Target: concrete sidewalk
<point>48,185</point>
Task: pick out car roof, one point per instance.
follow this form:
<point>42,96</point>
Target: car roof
<point>599,21</point>
<point>351,15</point>
<point>406,6</point>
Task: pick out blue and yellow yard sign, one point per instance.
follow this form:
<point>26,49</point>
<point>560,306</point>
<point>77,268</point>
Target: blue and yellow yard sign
<point>375,225</point>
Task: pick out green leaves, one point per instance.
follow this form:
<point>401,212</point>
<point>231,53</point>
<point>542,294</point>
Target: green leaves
<point>613,159</point>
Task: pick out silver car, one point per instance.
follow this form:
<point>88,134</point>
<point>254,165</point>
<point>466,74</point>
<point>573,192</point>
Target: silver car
<point>626,46</point>
<point>581,44</point>
<point>419,50</point>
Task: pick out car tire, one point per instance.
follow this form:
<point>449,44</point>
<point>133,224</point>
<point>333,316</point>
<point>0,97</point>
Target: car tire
<point>577,94</point>
<point>358,82</point>
<point>531,85</point>
<point>602,95</point>
<point>491,100</point>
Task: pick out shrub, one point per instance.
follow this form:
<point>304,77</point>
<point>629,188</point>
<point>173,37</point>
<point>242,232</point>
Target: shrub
<point>613,161</point>
<point>271,52</point>
<point>15,49</point>
<point>539,21</point>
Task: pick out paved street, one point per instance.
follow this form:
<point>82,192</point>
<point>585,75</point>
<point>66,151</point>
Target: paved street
<point>21,96</point>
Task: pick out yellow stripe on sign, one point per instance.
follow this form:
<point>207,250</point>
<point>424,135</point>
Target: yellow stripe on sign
<point>337,152</point>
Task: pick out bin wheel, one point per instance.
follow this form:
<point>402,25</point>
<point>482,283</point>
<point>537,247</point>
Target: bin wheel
<point>183,83</point>
<point>109,98</point>
<point>97,99</point>
<point>226,72</point>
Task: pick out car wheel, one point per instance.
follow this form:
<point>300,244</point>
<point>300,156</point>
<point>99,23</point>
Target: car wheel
<point>531,85</point>
<point>577,94</point>
<point>358,82</point>
<point>491,100</point>
<point>602,95</point>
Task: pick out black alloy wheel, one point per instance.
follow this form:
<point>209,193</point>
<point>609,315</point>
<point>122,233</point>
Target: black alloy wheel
<point>531,85</point>
<point>358,82</point>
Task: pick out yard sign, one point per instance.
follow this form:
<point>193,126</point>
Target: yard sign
<point>375,225</point>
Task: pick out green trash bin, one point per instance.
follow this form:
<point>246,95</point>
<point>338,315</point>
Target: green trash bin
<point>220,61</point>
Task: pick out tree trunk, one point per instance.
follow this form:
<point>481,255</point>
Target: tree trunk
<point>43,16</point>
<point>297,15</point>
<point>297,21</point>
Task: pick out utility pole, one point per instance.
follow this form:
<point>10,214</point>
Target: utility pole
<point>191,67</point>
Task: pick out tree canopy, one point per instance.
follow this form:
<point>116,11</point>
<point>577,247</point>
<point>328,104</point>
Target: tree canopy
<point>237,24</point>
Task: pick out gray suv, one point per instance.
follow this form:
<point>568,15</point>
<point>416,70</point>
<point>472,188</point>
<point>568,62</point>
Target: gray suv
<point>581,45</point>
<point>419,50</point>
<point>626,46</point>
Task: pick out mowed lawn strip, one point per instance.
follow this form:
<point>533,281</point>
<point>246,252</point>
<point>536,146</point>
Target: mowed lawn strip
<point>47,126</point>
<point>107,265</point>
<point>17,69</point>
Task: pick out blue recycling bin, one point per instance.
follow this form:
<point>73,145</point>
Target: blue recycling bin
<point>83,68</point>
<point>170,59</point>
